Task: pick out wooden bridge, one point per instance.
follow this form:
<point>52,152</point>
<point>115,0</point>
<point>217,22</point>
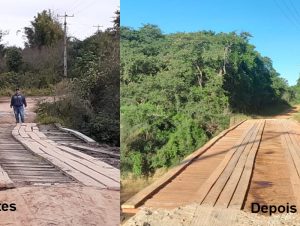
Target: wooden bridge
<point>55,175</point>
<point>253,161</point>
<point>30,156</point>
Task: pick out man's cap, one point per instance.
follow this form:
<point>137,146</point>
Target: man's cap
<point>17,89</point>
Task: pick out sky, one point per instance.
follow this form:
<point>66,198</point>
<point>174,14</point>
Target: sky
<point>17,14</point>
<point>274,24</point>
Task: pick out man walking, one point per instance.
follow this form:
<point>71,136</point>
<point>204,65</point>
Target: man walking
<point>17,102</point>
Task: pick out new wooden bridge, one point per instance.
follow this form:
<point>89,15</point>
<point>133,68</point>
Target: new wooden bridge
<point>253,161</point>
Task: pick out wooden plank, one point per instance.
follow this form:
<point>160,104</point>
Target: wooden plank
<point>96,164</point>
<point>72,172</point>
<point>11,147</point>
<point>292,126</point>
<point>41,179</point>
<point>98,170</point>
<point>22,132</point>
<point>140,197</point>
<point>39,134</point>
<point>243,184</point>
<point>47,149</point>
<point>27,166</point>
<point>293,163</point>
<point>32,173</point>
<point>229,189</point>
<point>92,149</point>
<point>76,133</point>
<point>28,127</point>
<point>206,187</point>
<point>97,176</point>
<point>237,160</point>
<point>18,169</point>
<point>13,158</point>
<point>227,178</point>
<point>292,150</point>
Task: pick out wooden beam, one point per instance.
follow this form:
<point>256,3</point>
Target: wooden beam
<point>92,149</point>
<point>292,159</point>
<point>84,168</point>
<point>210,182</point>
<point>243,184</point>
<point>75,133</point>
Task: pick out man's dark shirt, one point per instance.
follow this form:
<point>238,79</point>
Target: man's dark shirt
<point>18,101</point>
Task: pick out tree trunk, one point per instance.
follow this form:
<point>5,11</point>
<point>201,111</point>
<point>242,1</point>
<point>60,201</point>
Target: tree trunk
<point>222,71</point>
<point>200,76</point>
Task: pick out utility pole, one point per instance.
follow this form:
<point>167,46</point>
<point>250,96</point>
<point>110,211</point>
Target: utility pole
<point>98,27</point>
<point>65,43</point>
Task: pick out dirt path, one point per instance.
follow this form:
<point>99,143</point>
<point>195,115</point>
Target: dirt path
<point>60,205</point>
<point>195,215</point>
<point>7,115</point>
<point>288,113</point>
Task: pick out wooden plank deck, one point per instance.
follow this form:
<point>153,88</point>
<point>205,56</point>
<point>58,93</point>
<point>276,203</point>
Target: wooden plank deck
<point>221,176</point>
<point>19,166</point>
<point>291,141</point>
<point>105,153</point>
<point>79,166</point>
<point>271,181</point>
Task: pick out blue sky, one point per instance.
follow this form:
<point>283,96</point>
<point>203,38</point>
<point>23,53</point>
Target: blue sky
<point>274,24</point>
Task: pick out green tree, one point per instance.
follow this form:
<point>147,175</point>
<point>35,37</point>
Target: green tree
<point>45,30</point>
<point>178,91</point>
<point>13,56</point>
<point>91,102</point>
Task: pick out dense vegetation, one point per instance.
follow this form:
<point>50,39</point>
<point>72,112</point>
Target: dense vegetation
<point>88,100</point>
<point>91,98</point>
<point>296,92</point>
<point>179,90</point>
<point>38,66</point>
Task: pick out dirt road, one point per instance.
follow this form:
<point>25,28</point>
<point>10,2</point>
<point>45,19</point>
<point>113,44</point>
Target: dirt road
<point>7,115</point>
<point>56,204</point>
<point>60,205</point>
<point>288,114</point>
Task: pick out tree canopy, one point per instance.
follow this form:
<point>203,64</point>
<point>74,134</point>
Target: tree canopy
<point>13,57</point>
<point>178,90</point>
<point>45,30</point>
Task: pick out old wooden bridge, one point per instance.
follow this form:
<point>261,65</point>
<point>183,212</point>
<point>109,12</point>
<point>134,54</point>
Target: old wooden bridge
<point>30,155</point>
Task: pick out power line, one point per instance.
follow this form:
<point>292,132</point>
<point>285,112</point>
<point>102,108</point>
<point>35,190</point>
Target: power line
<point>286,15</point>
<point>86,7</point>
<point>65,43</point>
<point>291,12</point>
<point>294,8</point>
<point>75,5</point>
